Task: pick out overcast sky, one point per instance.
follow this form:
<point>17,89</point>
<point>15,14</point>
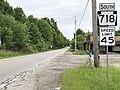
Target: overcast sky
<point>63,11</point>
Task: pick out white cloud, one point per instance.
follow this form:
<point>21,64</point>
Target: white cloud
<point>62,11</point>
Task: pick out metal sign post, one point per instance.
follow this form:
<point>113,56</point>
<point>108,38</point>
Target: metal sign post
<point>107,63</point>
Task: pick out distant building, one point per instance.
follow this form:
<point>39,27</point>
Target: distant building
<point>88,45</point>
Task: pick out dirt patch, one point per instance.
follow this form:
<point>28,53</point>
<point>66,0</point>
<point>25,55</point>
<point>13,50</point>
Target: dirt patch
<point>46,76</point>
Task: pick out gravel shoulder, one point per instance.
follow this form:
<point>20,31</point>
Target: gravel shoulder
<point>46,76</point>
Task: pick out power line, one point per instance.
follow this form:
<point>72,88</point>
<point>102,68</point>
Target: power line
<point>83,14</point>
<point>77,7</point>
<point>80,21</point>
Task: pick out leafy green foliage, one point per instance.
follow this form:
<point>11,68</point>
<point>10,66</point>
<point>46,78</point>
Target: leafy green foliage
<point>79,31</point>
<point>5,8</point>
<point>87,35</point>
<point>34,34</point>
<point>79,40</point>
<point>72,43</point>
<point>19,14</point>
<point>117,33</point>
<point>20,36</point>
<point>6,37</point>
<point>31,19</point>
<point>46,31</point>
<point>28,34</point>
<point>7,21</point>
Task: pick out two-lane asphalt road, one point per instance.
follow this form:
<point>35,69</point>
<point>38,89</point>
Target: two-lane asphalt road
<point>12,66</point>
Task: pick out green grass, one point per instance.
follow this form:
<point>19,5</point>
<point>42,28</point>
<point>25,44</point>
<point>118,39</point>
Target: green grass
<point>79,52</point>
<point>84,78</point>
<point>71,50</point>
<point>7,54</point>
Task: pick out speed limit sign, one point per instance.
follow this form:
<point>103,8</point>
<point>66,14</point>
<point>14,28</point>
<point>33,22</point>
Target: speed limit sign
<point>107,36</point>
<point>107,18</point>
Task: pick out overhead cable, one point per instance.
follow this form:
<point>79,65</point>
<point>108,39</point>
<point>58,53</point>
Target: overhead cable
<point>83,14</point>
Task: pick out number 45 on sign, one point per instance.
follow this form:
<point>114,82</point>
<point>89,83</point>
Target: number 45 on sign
<point>107,36</point>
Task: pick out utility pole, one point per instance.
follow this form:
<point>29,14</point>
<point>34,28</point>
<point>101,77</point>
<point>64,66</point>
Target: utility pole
<point>95,33</point>
<point>75,34</point>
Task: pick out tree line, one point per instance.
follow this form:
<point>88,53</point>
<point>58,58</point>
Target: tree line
<point>19,32</point>
<point>79,40</point>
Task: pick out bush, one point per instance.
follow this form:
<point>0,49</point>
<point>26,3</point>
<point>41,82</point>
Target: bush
<point>71,50</point>
<point>79,52</point>
<point>27,48</point>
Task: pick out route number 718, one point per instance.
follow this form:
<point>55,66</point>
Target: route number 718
<point>107,18</point>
